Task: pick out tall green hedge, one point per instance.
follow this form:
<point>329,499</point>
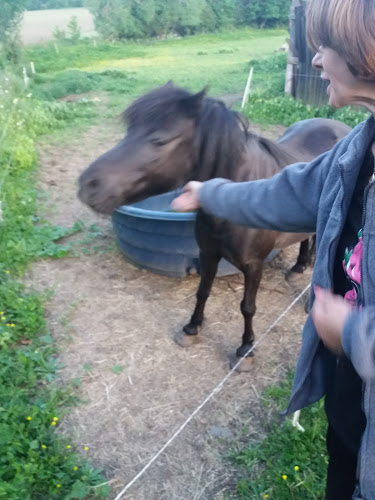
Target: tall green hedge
<point>131,19</point>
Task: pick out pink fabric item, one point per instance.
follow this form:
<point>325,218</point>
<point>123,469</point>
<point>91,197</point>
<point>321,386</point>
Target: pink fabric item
<point>353,270</point>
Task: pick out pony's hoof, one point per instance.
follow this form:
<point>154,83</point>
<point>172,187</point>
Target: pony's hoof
<point>245,366</point>
<point>184,340</point>
<point>297,268</point>
<point>243,351</point>
<point>190,329</point>
<point>293,277</point>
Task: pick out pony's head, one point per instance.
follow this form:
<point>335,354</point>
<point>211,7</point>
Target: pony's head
<point>155,156</point>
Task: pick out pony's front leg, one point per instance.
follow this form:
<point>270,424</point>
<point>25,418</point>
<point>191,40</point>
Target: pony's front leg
<point>253,275</point>
<point>208,264</point>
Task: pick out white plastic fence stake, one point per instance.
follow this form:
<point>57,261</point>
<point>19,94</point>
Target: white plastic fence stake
<point>25,77</point>
<point>247,88</point>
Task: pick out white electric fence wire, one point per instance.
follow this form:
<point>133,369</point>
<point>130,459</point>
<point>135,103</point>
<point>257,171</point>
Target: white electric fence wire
<point>214,391</point>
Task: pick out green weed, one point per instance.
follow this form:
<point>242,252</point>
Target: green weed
<point>287,464</point>
<point>268,104</point>
<point>286,110</point>
<point>36,463</point>
<point>78,82</point>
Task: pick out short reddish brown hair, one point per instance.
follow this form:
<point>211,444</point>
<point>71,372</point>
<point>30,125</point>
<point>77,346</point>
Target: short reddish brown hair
<point>346,26</point>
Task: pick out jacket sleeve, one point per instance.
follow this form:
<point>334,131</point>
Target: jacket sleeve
<point>285,202</point>
<point>358,341</point>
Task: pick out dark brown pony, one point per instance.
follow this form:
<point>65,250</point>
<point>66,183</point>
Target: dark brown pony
<point>175,136</point>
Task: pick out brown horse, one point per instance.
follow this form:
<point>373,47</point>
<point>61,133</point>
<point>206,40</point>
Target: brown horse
<point>174,136</point>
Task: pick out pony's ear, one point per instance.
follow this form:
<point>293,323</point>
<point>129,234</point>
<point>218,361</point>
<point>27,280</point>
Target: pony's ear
<point>191,105</point>
<point>168,84</point>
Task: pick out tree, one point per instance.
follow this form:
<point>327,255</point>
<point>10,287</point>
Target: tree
<point>10,18</point>
<point>189,16</point>
<point>224,11</point>
<point>52,4</point>
<point>118,19</point>
<point>143,11</point>
<point>113,19</point>
<point>266,13</point>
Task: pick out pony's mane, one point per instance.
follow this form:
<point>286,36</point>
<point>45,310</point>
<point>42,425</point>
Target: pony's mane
<point>225,136</point>
<point>222,136</point>
<point>156,107</point>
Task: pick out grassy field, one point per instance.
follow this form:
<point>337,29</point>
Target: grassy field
<point>220,62</point>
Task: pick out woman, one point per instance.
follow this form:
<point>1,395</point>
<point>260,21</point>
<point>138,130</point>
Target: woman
<point>333,195</point>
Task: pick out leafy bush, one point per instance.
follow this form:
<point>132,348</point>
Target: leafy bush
<point>286,110</point>
<point>268,104</point>
<point>36,463</point>
<point>131,19</point>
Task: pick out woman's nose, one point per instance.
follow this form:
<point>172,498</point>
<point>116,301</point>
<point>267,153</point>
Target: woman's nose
<point>317,61</point>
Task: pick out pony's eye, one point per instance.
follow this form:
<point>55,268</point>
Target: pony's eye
<point>156,141</point>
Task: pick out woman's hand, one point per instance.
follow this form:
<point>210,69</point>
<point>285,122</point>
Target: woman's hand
<point>189,199</point>
<point>329,314</point>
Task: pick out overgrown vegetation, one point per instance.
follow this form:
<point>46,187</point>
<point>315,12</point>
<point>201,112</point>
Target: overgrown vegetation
<point>131,19</point>
<point>52,4</point>
<point>287,464</point>
<point>35,462</point>
<point>10,18</point>
<point>272,106</point>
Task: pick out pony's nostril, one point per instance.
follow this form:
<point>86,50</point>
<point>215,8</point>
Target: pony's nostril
<point>93,184</point>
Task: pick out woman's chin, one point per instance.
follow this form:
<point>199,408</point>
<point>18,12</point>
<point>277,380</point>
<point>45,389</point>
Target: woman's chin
<point>334,103</point>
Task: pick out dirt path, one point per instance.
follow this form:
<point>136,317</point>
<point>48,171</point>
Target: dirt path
<point>114,326</point>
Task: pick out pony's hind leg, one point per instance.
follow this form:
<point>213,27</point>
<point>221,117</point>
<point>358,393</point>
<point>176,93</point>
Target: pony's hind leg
<point>208,264</point>
<point>253,275</point>
<point>305,257</point>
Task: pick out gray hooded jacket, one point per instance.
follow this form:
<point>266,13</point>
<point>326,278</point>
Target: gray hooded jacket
<point>316,198</point>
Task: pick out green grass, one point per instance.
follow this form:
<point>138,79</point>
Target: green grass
<point>36,463</point>
<point>287,464</point>
<point>219,61</point>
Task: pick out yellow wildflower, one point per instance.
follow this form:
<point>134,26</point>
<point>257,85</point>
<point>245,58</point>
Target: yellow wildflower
<point>44,446</point>
<point>68,446</point>
<point>86,448</point>
<point>285,477</point>
<point>296,468</point>
<point>7,272</point>
<point>12,325</point>
<point>58,485</point>
<point>28,418</point>
<point>55,419</point>
<point>53,423</point>
<point>75,468</point>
